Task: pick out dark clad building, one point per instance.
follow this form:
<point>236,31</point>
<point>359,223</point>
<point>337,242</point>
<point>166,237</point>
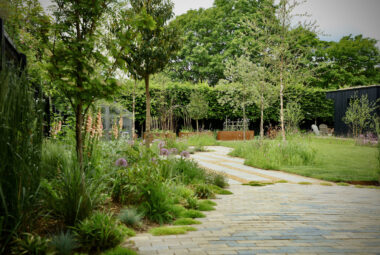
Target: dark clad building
<point>342,98</point>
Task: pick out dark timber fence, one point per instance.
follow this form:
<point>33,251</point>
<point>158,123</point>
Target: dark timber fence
<point>9,54</point>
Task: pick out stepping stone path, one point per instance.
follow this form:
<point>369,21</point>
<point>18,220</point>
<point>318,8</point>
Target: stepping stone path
<point>285,218</point>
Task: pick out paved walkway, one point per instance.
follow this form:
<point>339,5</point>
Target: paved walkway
<point>284,218</point>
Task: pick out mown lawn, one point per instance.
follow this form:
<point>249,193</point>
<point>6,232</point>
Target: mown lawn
<point>335,160</point>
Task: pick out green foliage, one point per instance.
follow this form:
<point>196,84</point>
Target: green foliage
<point>186,221</point>
<point>203,191</point>
<point>192,202</point>
<point>350,62</point>
<point>218,190</point>
<point>30,244</point>
<point>72,195</point>
<point>99,232</point>
<point>63,243</point>
<point>293,116</point>
<point>177,210</point>
<point>359,114</point>
<point>130,217</point>
<point>20,154</point>
<point>192,214</point>
<point>119,251</point>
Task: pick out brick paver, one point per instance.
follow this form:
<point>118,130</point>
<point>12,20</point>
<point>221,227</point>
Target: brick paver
<point>284,218</point>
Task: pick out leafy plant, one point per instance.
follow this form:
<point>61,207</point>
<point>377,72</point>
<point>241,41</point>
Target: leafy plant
<point>157,205</point>
<point>64,243</point>
<point>30,244</point>
<point>218,190</point>
<point>192,202</point>
<point>130,217</point>
<point>99,232</point>
<point>20,153</point>
<point>73,195</point>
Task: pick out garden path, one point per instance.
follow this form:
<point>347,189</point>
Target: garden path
<point>284,218</point>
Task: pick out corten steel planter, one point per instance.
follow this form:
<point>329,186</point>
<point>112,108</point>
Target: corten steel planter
<point>235,135</point>
<point>188,134</point>
<point>162,135</point>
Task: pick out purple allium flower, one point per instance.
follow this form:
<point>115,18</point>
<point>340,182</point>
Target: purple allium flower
<point>161,145</point>
<point>185,154</point>
<point>173,151</point>
<point>122,162</point>
<point>164,152</point>
<point>153,160</point>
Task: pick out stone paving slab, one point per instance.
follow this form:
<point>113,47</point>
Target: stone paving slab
<point>284,218</point>
<point>281,219</point>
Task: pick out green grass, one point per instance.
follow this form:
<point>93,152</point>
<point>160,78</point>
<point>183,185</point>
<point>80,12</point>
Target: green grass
<point>202,140</point>
<point>282,181</point>
<point>326,184</point>
<point>343,184</point>
<point>206,205</point>
<point>119,251</point>
<point>186,221</point>
<point>218,190</point>
<point>257,183</point>
<point>192,214</point>
<point>337,160</point>
<point>305,183</point>
<point>162,231</point>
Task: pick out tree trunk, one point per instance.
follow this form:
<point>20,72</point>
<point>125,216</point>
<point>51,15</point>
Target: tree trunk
<point>244,120</point>
<point>133,110</point>
<point>197,125</point>
<point>262,119</point>
<point>148,118</point>
<point>282,100</point>
<point>78,133</point>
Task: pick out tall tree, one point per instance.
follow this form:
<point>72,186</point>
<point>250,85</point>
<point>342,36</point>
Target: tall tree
<point>77,64</point>
<point>211,37</point>
<point>350,62</point>
<point>153,47</point>
<point>198,107</point>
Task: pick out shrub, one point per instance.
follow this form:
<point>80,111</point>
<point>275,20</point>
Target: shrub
<point>30,244</point>
<point>161,231</point>
<point>99,232</point>
<point>192,202</point>
<point>63,244</point>
<point>119,251</point>
<point>130,217</point>
<point>203,191</point>
<point>186,171</point>
<point>180,193</point>
<point>186,221</point>
<point>72,196</point>
<point>217,179</point>
<point>192,214</point>
<point>157,205</point>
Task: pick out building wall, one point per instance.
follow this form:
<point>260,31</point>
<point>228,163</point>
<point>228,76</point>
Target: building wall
<point>341,101</point>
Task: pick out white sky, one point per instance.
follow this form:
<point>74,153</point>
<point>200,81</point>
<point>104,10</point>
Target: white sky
<point>335,18</point>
